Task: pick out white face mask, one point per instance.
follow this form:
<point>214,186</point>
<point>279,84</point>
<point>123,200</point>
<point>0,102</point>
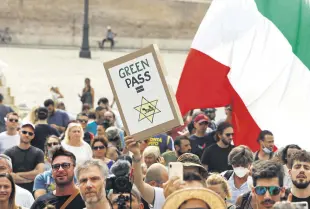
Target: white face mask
<point>267,150</point>
<point>241,171</point>
<point>249,181</point>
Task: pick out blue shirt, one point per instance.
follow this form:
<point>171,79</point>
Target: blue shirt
<point>46,181</point>
<point>59,118</point>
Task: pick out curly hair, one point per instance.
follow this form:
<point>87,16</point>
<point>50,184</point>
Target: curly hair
<point>301,156</point>
<point>267,169</point>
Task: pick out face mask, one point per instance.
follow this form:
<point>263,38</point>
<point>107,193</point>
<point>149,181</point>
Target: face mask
<point>241,171</point>
<point>249,181</point>
<point>266,150</point>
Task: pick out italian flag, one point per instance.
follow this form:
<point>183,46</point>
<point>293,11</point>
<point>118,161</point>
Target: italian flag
<point>254,55</point>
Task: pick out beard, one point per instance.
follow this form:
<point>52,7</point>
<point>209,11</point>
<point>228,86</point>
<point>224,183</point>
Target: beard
<point>181,153</point>
<point>301,185</point>
<point>64,183</point>
<point>96,198</point>
<point>225,142</point>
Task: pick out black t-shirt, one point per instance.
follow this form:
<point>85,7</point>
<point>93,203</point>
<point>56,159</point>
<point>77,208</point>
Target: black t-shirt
<point>58,201</point>
<point>199,144</point>
<point>296,199</point>
<point>24,161</point>
<point>41,132</point>
<point>216,158</point>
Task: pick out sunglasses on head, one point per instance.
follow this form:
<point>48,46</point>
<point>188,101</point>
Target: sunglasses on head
<point>65,166</point>
<point>204,123</point>
<point>82,121</point>
<point>98,147</point>
<point>52,144</point>
<point>13,120</point>
<point>273,190</point>
<point>28,133</point>
<point>229,134</point>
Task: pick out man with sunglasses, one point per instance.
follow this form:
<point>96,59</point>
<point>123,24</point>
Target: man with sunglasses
<point>299,170</point>
<point>215,157</point>
<point>268,183</point>
<point>66,194</point>
<point>82,119</point>
<point>10,137</point>
<point>199,138</point>
<point>27,160</point>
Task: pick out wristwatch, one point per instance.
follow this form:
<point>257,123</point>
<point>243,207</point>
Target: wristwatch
<point>136,160</point>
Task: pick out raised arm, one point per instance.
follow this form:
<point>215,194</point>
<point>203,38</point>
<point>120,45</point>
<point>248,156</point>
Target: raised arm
<point>147,191</point>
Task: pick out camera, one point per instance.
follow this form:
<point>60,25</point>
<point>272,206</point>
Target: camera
<point>119,184</point>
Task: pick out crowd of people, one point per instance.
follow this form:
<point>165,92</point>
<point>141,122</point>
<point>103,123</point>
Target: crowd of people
<point>54,160</point>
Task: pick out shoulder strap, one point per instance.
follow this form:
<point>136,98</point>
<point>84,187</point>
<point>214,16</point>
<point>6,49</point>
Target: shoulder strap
<point>69,200</point>
<point>228,174</point>
<point>245,198</point>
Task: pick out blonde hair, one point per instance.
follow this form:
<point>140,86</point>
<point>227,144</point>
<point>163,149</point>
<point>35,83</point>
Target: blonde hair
<point>70,126</point>
<point>151,150</point>
<point>216,179</point>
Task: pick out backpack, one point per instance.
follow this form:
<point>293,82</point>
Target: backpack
<point>228,174</point>
<point>246,201</point>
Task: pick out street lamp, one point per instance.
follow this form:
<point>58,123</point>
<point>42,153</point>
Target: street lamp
<point>85,52</point>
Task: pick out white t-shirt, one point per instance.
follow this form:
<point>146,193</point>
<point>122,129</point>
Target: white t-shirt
<point>7,141</point>
<point>81,153</point>
<point>23,197</point>
<point>159,198</point>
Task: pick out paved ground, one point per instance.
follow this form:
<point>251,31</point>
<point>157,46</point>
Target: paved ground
<point>32,72</point>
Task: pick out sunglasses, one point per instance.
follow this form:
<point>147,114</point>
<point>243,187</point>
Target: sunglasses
<point>98,147</point>
<point>52,144</point>
<point>82,121</point>
<point>65,166</point>
<point>13,120</point>
<point>204,123</point>
<point>273,190</point>
<point>229,134</point>
<point>28,133</point>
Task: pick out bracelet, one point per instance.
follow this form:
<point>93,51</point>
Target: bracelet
<point>136,160</point>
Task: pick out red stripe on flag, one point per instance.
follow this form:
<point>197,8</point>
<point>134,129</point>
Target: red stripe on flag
<point>204,84</point>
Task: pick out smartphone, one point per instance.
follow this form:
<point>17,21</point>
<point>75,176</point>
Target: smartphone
<point>175,169</point>
<point>300,205</point>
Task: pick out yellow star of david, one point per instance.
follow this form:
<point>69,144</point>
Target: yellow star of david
<point>147,109</point>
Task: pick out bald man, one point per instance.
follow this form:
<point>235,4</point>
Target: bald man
<point>156,175</point>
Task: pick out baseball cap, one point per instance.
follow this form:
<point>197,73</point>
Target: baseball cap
<point>190,159</point>
<point>201,118</point>
<point>42,112</point>
<point>25,124</point>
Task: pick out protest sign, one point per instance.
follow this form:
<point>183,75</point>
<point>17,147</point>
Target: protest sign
<point>146,103</point>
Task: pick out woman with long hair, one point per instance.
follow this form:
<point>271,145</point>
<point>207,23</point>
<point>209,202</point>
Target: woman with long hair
<point>73,142</point>
<point>99,147</point>
<point>88,94</point>
<point>7,192</point>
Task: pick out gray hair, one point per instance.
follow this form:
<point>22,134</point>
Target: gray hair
<point>240,156</point>
<point>152,150</point>
<point>134,191</point>
<point>90,163</point>
<point>7,159</point>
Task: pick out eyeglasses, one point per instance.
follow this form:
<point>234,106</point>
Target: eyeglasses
<point>82,121</point>
<point>204,123</point>
<point>65,166</point>
<point>98,147</point>
<point>52,144</point>
<point>273,190</point>
<point>13,120</point>
<point>28,133</point>
<point>229,134</point>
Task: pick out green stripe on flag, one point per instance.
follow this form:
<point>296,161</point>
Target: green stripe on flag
<point>292,17</point>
